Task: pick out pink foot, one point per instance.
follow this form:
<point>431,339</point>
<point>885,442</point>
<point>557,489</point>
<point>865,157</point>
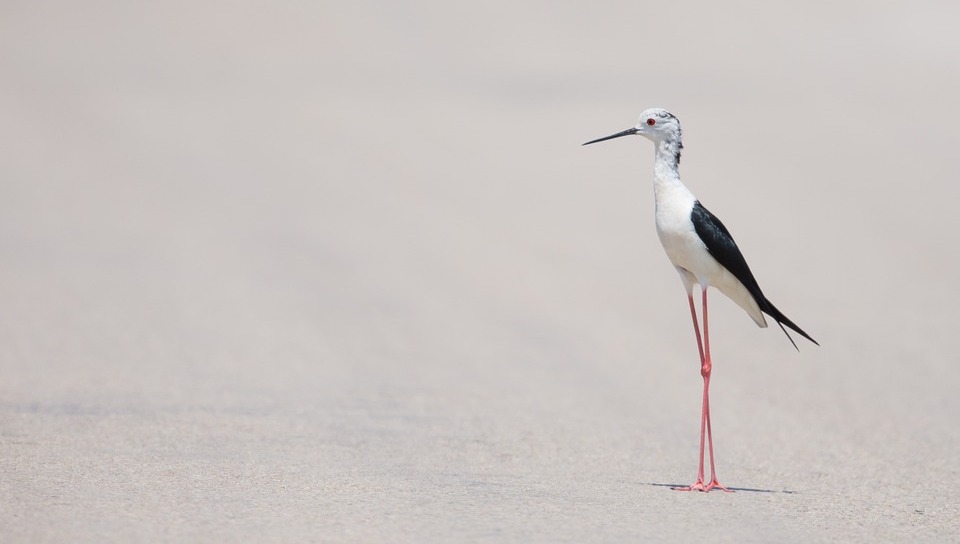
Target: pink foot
<point>697,486</point>
<point>716,485</point>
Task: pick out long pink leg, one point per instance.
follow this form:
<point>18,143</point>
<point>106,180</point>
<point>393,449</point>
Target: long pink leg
<point>703,345</point>
<point>698,485</point>
<point>705,371</point>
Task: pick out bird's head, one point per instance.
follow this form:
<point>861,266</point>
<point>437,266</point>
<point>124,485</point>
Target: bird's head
<point>656,124</point>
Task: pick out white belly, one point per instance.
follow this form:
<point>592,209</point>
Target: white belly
<point>684,248</point>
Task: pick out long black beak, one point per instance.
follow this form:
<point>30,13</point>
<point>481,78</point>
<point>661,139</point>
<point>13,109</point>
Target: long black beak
<point>627,132</point>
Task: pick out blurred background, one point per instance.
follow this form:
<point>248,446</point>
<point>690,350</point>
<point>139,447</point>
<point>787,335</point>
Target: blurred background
<point>341,271</point>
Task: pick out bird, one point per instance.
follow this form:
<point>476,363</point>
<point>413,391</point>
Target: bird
<point>704,254</point>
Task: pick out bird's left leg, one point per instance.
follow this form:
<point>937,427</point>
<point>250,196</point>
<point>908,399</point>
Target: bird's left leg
<point>705,370</point>
<point>698,485</point>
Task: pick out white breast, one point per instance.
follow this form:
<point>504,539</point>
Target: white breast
<point>674,204</point>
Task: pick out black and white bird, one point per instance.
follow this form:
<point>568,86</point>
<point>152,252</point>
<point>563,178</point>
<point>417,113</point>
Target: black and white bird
<point>703,252</point>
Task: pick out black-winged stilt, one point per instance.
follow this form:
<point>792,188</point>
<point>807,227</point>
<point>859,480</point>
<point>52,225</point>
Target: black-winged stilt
<point>703,252</point>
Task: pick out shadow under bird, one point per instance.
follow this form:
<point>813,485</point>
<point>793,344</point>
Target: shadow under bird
<point>703,253</point>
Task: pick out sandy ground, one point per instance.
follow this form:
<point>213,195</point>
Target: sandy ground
<point>340,272</point>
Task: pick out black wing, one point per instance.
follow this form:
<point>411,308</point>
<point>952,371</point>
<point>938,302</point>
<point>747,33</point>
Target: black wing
<point>723,248</point>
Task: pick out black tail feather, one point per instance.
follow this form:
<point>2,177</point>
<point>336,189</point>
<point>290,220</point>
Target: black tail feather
<point>771,310</point>
<point>790,338</point>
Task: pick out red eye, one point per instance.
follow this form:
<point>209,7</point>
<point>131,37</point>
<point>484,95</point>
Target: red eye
<point>651,122</point>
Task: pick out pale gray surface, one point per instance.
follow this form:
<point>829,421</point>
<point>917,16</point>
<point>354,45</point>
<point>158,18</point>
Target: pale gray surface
<point>341,272</point>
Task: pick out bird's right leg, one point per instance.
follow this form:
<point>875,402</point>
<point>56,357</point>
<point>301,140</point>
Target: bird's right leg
<point>705,370</point>
<point>704,410</point>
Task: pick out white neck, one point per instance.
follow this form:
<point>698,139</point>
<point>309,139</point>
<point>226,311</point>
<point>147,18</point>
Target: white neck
<point>666,161</point>
<point>666,173</point>
<point>668,152</point>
